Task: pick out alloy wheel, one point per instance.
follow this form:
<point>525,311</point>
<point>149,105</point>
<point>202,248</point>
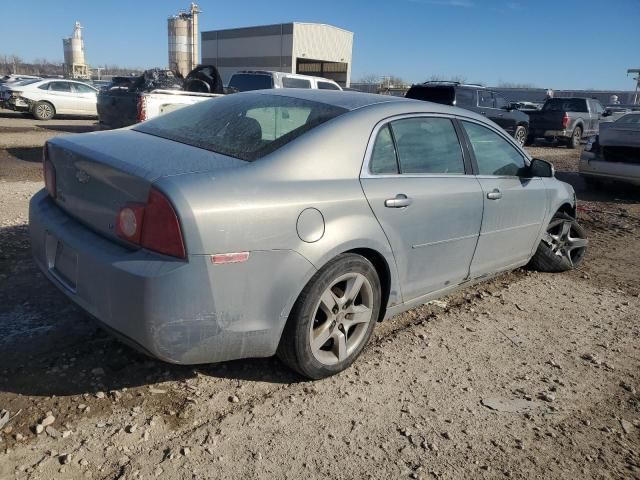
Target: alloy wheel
<point>565,240</point>
<point>341,319</point>
<point>44,110</point>
<point>521,136</point>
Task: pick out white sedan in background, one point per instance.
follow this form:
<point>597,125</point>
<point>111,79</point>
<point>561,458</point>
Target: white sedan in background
<point>49,97</point>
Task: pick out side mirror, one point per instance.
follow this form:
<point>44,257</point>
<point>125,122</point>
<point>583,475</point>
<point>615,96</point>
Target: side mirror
<point>541,168</point>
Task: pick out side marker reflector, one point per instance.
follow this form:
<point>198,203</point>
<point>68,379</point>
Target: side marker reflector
<point>237,257</point>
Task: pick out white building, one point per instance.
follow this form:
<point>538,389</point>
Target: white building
<point>305,48</point>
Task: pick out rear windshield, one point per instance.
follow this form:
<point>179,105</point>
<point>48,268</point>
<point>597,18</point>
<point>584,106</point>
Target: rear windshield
<point>443,95</point>
<point>245,82</point>
<point>565,105</point>
<point>244,126</point>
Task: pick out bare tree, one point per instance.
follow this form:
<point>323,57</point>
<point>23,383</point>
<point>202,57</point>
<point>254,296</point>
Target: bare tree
<point>502,84</point>
<point>370,78</point>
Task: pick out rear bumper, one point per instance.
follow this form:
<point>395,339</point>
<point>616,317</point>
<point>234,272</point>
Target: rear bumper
<point>185,312</point>
<point>593,166</point>
<point>551,133</point>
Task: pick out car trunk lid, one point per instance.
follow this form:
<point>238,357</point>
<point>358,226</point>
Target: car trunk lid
<point>99,173</point>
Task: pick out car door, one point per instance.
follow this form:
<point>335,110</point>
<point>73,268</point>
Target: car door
<point>86,99</point>
<point>503,117</point>
<point>430,210</point>
<point>514,204</point>
<point>60,95</point>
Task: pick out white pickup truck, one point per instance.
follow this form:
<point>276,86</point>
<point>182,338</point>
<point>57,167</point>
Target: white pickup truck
<point>121,108</point>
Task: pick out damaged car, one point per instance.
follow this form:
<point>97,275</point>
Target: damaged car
<point>613,154</point>
<point>293,221</point>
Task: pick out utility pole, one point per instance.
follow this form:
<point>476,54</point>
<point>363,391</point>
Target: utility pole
<point>636,72</point>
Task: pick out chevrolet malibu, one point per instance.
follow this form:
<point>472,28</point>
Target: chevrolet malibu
<point>289,223</point>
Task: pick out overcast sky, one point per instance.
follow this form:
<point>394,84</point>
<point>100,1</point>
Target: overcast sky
<point>547,43</point>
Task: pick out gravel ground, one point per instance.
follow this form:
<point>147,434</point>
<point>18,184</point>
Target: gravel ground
<point>528,376</point>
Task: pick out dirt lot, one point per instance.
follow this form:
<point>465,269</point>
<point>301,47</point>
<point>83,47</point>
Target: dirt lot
<point>529,376</point>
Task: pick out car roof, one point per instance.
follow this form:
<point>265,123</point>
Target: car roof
<point>351,100</point>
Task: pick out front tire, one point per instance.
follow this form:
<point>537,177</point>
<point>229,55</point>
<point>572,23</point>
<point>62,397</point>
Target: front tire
<point>521,135</point>
<point>333,318</point>
<point>43,111</point>
<point>576,137</point>
<point>563,246</point>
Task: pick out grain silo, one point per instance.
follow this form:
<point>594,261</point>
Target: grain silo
<point>184,40</point>
<point>74,61</point>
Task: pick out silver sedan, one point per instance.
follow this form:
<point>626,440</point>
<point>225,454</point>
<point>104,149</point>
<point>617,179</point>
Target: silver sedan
<point>290,222</point>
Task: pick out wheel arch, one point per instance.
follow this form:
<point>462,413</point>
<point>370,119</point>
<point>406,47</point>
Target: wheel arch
<point>568,209</point>
<point>384,274</point>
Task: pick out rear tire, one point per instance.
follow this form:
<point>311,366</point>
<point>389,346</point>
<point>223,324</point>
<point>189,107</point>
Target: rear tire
<point>521,135</point>
<point>576,137</point>
<point>563,246</point>
<point>43,111</point>
<point>333,318</point>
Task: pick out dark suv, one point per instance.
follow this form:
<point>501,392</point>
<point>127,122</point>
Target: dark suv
<point>477,99</point>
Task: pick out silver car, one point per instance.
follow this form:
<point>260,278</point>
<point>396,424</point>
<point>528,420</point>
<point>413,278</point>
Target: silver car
<point>290,222</point>
<point>615,153</point>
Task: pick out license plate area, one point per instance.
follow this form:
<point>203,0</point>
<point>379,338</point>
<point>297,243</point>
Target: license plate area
<point>62,262</point>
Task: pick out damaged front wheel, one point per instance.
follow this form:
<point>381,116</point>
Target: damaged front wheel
<point>563,246</point>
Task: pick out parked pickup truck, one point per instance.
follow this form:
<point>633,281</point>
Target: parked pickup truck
<point>153,93</point>
<point>566,119</point>
<point>121,108</point>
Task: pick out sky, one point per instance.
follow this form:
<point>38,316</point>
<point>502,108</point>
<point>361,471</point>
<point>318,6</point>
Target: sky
<point>560,44</point>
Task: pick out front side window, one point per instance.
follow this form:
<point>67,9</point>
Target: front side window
<point>247,126</point>
<point>80,88</point>
<point>427,145</point>
<point>485,99</point>
<point>383,157</point>
<point>293,82</point>
<point>494,154</point>
<point>501,102</point>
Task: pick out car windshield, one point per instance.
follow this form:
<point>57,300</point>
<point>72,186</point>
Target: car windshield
<point>244,126</point>
<point>565,105</point>
<point>245,82</point>
<point>26,82</point>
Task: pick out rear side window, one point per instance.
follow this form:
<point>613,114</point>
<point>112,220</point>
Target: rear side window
<point>494,154</point>
<point>464,97</point>
<point>436,94</point>
<point>60,86</point>
<point>44,86</point>
<point>247,126</point>
<point>327,86</point>
<point>383,158</point>
<point>246,82</point>
<point>292,82</point>
<point>427,145</point>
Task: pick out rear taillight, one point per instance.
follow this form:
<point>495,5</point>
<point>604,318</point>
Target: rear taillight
<point>154,225</point>
<point>142,109</point>
<point>565,120</point>
<point>49,172</point>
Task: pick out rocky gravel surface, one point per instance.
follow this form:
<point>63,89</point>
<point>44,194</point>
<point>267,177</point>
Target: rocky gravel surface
<point>528,376</point>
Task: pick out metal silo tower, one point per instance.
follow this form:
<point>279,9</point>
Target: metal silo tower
<point>74,62</point>
<point>184,41</point>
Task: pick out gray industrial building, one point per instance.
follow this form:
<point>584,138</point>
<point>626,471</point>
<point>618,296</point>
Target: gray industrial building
<point>305,48</point>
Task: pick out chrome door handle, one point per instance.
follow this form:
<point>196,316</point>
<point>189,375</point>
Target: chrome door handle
<point>400,201</point>
<point>494,195</point>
